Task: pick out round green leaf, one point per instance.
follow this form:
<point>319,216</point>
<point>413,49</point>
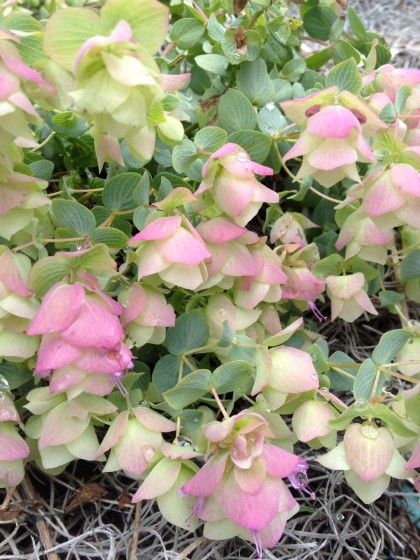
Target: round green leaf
<point>256,144</point>
<point>119,191</point>
<point>318,22</point>
<point>74,216</point>
<point>210,138</point>
<point>191,331</point>
<point>236,112</point>
<point>113,238</point>
<point>187,32</point>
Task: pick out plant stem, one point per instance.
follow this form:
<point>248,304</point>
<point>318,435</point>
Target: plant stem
<point>219,403</point>
<point>40,146</point>
<point>324,196</point>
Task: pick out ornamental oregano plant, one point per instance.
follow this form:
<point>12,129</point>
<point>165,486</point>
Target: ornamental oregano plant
<point>188,190</point>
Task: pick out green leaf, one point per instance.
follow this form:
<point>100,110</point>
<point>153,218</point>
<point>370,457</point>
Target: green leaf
<point>142,192</point>
<point>340,382</point>
<point>253,80</point>
<point>148,20</point>
<point>393,422</point>
<point>318,22</point>
<point>356,264</point>
<point>118,193</point>
<point>410,267</point>
<point>210,138</point>
<point>233,376</point>
<point>45,273</point>
<point>214,63</point>
<point>96,260</point>
<point>330,266</point>
<point>227,336</point>
<point>319,58</point>
<point>189,389</point>
<point>345,76</point>
<point>401,97</point>
<point>74,216</point>
<point>184,155</point>
<point>68,119</point>
<point>388,114</point>
<point>389,345</point>
<point>13,375</point>
<point>336,30</point>
<point>389,298</point>
<point>215,29</point>
<point>412,407</point>
<point>356,24</point>
<point>293,70</point>
<point>256,144</point>
<point>42,168</point>
<point>187,32</point>
<point>365,381</point>
<point>344,50</point>
<point>318,358</point>
<point>235,112</point>
<point>113,238</point>
<point>166,372</point>
<point>270,120</point>
<point>66,31</point>
<point>354,411</point>
<point>190,332</point>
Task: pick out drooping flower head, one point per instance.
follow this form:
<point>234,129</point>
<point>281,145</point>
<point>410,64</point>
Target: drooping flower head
<point>81,336</point>
<point>390,195</point>
<point>229,182</point>
<point>171,247</point>
<point>335,126</point>
<point>240,487</point>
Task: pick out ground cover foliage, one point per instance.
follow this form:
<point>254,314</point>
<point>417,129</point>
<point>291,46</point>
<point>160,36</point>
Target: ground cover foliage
<point>209,271</point>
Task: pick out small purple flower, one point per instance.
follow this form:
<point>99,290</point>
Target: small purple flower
<point>299,479</point>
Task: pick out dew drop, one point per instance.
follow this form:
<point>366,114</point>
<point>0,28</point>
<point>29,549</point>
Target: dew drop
<point>322,491</point>
<point>2,397</point>
<point>324,389</point>
<point>339,517</point>
<point>242,157</point>
<point>79,247</point>
<point>314,376</point>
<point>270,106</point>
<point>360,404</point>
<point>195,420</point>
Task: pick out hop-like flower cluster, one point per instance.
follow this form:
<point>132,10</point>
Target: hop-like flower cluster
<point>82,339</point>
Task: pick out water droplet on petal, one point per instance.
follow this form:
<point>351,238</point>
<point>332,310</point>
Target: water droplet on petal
<point>242,157</point>
<point>339,517</point>
<point>270,106</point>
<point>314,376</point>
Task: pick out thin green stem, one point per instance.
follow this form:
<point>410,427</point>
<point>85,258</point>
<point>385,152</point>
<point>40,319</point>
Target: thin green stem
<point>40,146</point>
<point>219,403</point>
